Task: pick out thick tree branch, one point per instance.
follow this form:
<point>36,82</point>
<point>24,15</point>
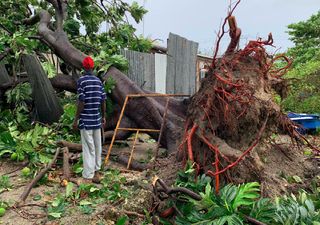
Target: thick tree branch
<point>5,53</point>
<point>32,20</point>
<point>60,11</point>
<point>44,30</point>
<point>57,40</point>
<point>54,3</point>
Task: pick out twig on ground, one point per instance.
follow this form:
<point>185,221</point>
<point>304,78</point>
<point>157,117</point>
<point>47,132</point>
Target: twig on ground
<point>27,190</point>
<point>66,165</point>
<point>253,221</point>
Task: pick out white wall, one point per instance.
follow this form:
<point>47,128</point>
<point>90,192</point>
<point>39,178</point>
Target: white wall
<point>160,73</point>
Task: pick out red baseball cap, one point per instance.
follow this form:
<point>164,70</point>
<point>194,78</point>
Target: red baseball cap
<point>88,63</point>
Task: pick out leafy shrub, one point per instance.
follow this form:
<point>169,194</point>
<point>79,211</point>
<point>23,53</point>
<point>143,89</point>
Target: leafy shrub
<point>236,203</point>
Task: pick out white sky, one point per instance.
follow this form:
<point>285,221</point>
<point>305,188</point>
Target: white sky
<point>199,20</point>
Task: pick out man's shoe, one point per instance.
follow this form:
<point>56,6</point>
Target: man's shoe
<point>97,177</point>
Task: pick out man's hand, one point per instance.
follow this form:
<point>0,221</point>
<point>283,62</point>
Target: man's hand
<point>104,122</point>
<point>75,125</point>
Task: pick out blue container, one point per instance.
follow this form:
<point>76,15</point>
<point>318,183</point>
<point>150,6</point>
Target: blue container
<point>308,122</point>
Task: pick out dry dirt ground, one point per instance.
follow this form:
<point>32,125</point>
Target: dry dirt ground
<point>138,184</point>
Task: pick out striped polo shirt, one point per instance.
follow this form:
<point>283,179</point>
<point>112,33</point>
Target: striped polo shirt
<point>91,92</point>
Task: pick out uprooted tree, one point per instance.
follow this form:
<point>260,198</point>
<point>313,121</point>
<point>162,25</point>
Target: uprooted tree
<point>216,128</point>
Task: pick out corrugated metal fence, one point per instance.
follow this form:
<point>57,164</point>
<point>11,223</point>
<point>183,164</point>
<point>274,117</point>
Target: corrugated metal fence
<point>174,73</point>
<point>141,68</point>
<point>181,68</point>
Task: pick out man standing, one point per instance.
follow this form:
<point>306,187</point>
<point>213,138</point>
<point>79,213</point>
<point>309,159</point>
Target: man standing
<point>90,113</point>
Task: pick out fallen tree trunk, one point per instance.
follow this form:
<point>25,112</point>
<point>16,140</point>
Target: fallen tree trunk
<point>147,112</point>
<point>46,102</point>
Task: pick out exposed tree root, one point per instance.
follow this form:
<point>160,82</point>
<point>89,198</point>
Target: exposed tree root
<point>235,105</point>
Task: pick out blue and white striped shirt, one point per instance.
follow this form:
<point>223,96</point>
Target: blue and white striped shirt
<point>91,92</point>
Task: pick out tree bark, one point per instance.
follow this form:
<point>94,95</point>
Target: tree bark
<point>47,106</point>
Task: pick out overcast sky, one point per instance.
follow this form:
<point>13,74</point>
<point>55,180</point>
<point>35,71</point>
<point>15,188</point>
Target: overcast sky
<point>199,20</point>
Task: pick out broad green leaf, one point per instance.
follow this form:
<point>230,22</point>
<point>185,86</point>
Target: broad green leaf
<point>69,189</point>
<point>55,215</point>
<point>85,202</point>
<point>122,220</point>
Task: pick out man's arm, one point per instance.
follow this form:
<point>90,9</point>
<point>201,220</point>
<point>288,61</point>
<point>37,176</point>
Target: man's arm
<point>80,107</point>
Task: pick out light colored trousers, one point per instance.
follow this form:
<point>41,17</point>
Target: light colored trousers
<point>91,152</point>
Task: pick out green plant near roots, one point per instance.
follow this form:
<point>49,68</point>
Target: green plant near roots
<point>235,203</point>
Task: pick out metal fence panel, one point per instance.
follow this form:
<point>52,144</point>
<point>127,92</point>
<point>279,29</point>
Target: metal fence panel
<point>141,68</point>
<point>181,65</point>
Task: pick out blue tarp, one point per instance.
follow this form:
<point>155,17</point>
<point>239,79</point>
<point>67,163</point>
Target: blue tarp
<point>307,121</point>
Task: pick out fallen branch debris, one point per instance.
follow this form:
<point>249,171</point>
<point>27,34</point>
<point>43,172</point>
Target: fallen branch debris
<point>28,188</point>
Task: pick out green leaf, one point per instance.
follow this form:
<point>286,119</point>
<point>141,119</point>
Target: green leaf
<point>2,152</point>
<point>49,69</point>
<point>69,189</point>
<point>85,202</point>
<point>247,195</point>
<point>56,202</point>
<point>93,189</point>
<point>137,11</point>
<point>122,220</point>
<point>37,197</point>
<point>297,179</point>
<point>55,215</point>
<point>44,159</point>
<point>86,209</point>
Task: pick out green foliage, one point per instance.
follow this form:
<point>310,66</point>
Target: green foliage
<point>137,11</point>
<point>105,23</point>
<point>19,96</point>
<point>57,208</point>
<point>305,93</point>
<point>87,196</point>
<point>5,183</point>
<point>49,69</point>
<point>304,76</point>
<point>187,177</point>
<point>297,210</point>
<point>306,37</point>
<point>104,61</point>
<point>122,220</point>
<point>234,203</point>
<point>109,85</point>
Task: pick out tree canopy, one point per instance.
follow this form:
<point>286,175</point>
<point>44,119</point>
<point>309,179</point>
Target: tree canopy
<point>99,28</point>
<point>305,92</point>
<point>306,37</point>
